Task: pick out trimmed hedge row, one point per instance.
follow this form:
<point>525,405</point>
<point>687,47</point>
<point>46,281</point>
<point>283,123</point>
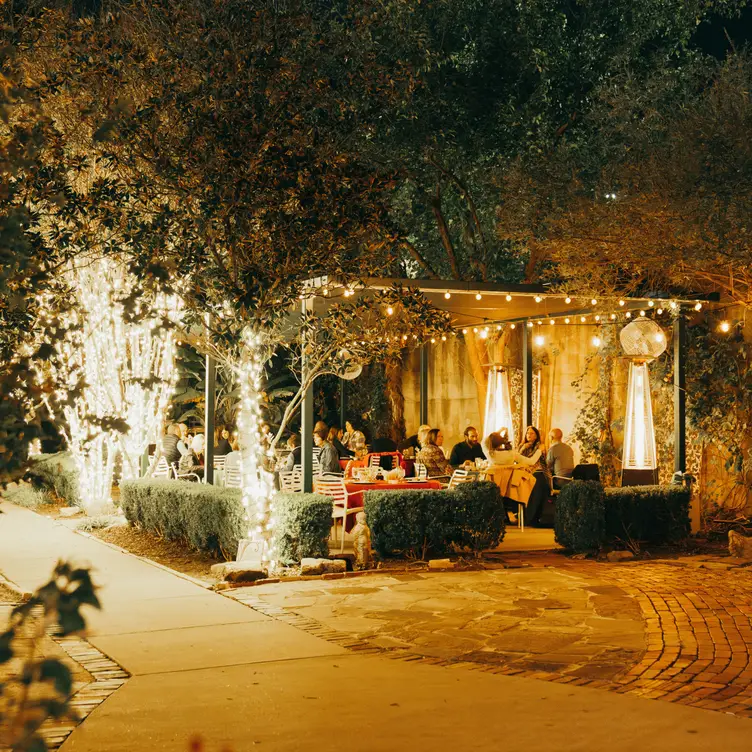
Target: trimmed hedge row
<point>210,518</point>
<point>420,522</point>
<point>303,524</point>
<point>587,517</point>
<point>56,473</point>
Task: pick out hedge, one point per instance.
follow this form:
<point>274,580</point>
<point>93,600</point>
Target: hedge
<point>587,517</point>
<point>653,514</point>
<point>420,522</point>
<point>56,473</point>
<point>580,516</point>
<point>210,518</point>
<point>303,525</point>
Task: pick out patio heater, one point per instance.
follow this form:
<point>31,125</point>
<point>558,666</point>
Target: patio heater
<point>498,413</point>
<point>642,341</point>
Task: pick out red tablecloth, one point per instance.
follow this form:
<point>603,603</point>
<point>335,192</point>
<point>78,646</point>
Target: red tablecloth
<point>343,463</point>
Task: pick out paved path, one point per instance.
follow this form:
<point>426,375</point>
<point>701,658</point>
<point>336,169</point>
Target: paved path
<point>203,663</point>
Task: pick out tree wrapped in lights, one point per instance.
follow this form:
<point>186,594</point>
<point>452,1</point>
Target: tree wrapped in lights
<point>114,371</point>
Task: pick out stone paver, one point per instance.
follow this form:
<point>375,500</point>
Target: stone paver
<point>656,630</point>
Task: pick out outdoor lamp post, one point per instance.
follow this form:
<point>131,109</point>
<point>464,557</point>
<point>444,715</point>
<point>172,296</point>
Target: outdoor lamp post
<point>498,412</point>
<point>642,341</point>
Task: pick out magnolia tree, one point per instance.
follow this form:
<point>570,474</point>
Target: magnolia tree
<point>113,369</point>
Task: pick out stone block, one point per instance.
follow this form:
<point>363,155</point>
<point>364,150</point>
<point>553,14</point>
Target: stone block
<point>322,566</point>
<point>740,545</point>
<point>620,555</point>
<point>440,564</point>
<point>70,511</point>
<point>237,571</point>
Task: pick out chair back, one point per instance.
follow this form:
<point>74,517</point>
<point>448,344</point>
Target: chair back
<point>328,486</point>
<point>219,462</point>
<point>589,471</point>
<point>163,469</point>
<point>374,460</point>
<point>291,481</point>
<point>233,478</point>
<point>421,471</point>
<point>462,475</point>
<point>386,460</point>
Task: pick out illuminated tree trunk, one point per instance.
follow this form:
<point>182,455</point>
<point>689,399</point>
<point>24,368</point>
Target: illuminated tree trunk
<point>396,398</point>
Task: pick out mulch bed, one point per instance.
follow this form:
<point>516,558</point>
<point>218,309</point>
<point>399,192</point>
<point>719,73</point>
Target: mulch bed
<point>172,554</point>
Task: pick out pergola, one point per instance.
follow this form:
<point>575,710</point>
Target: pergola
<point>481,305</point>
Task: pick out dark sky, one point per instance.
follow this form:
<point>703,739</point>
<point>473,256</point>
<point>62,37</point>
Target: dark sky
<point>711,38</point>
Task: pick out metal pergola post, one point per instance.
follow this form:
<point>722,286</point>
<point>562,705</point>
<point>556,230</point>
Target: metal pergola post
<point>424,385</point>
<point>306,421</point>
<point>527,378</point>
<point>342,403</point>
<point>210,393</point>
<point>680,394</point>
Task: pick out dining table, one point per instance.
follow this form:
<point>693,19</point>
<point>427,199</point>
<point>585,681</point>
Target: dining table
<point>356,489</point>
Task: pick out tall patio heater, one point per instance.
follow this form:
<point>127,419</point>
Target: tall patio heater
<point>498,413</point>
<point>642,341</point>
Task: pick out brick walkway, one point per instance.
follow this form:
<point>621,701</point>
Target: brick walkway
<point>697,628</point>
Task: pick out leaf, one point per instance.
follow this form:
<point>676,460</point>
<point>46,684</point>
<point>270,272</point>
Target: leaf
<point>51,669</point>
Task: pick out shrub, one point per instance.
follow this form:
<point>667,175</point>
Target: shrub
<point>57,473</point>
<point>580,516</point>
<point>27,496</point>
<point>207,517</point>
<point>303,524</point>
<point>654,514</point>
<point>418,522</point>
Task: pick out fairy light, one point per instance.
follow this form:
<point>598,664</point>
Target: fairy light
<point>127,368</point>
<point>551,322</point>
<point>478,296</point>
<point>538,298</point>
<point>651,303</point>
<point>621,303</point>
<point>567,299</point>
<point>508,298</point>
<point>642,313</point>
<point>513,326</point>
<point>566,321</point>
<point>628,314</point>
<point>582,319</point>
<point>612,316</point>
<point>256,483</point>
<point>389,311</point>
<point>659,311</point>
<point>447,294</point>
<point>529,324</point>
<point>698,306</point>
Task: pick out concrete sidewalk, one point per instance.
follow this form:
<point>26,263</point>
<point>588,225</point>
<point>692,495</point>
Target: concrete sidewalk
<point>204,664</point>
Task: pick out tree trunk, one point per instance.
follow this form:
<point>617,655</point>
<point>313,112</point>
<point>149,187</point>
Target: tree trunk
<point>396,398</point>
<point>477,354</point>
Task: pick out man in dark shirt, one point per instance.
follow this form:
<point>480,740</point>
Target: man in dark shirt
<point>169,445</point>
<point>468,450</point>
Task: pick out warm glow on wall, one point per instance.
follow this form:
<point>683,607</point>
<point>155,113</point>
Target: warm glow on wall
<point>498,412</point>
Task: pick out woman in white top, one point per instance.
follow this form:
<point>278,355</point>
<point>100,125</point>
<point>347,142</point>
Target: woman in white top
<point>533,454</point>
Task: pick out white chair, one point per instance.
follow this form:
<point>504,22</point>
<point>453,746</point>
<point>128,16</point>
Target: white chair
<point>461,475</point>
<point>233,478</point>
<point>374,460</point>
<point>421,471</point>
<point>193,477</point>
<point>219,462</point>
<point>162,470</point>
<point>291,481</point>
<point>340,511</point>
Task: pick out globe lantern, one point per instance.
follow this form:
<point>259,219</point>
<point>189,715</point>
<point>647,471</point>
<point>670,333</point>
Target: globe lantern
<point>642,341</point>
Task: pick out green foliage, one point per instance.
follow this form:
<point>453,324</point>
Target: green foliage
<point>27,496</point>
<point>42,688</point>
<point>719,383</point>
<point>56,473</point>
<point>207,518</point>
<point>303,525</point>
<point>580,516</point>
<point>418,523</point>
<point>654,514</point>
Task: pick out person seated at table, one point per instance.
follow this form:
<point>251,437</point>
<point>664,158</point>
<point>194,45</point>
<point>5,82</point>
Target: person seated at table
<point>464,453</point>
<point>320,426</point>
<point>223,445</point>
<point>383,444</point>
<point>184,439</point>
<point>411,444</point>
<point>168,445</point>
<point>334,438</point>
<point>328,458</point>
<point>532,454</point>
<point>294,458</point>
<point>498,448</point>
<point>360,460</point>
<point>560,458</point>
<point>432,456</point>
<point>352,436</point>
<point>190,462</point>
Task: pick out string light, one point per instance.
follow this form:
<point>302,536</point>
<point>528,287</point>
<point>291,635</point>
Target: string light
<point>513,326</point>
<point>642,313</point>
<point>478,296</point>
<point>530,324</point>
<point>725,326</point>
<point>538,298</point>
<point>597,318</point>
<point>651,303</point>
<point>613,316</point>
<point>389,311</point>
<point>582,319</point>
<point>552,322</point>
<point>447,294</point>
<point>621,303</point>
<point>567,299</point>
<point>539,340</point>
<point>566,321</point>
<point>509,298</point>
<point>593,302</point>
<point>698,306</point>
<point>464,331</point>
<point>596,341</point>
<point>628,315</point>
<point>659,311</point>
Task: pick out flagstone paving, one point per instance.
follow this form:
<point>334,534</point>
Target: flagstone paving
<point>679,631</point>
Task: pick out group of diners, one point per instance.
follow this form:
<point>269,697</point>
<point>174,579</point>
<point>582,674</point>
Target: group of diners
<point>547,466</point>
<point>185,452</point>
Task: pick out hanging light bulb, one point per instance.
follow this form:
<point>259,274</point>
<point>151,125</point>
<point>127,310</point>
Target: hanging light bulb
<point>642,313</point>
<point>613,316</point>
<point>725,326</point>
<point>538,298</point>
<point>551,322</point>
<point>651,303</point>
<point>443,337</point>
<point>582,319</point>
<point>593,302</point>
<point>530,324</point>
<point>628,315</point>
<point>513,326</point>
<point>475,330</point>
<point>659,311</point>
<point>621,303</point>
<point>509,298</point>
<point>698,306</point>
<point>484,333</point>
<point>539,340</point>
<point>596,341</point>
<point>389,311</point>
<point>566,321</point>
<point>447,294</point>
<point>567,299</point>
<point>464,331</point>
<point>478,296</point>
<point>597,318</point>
